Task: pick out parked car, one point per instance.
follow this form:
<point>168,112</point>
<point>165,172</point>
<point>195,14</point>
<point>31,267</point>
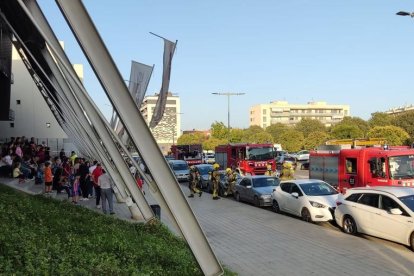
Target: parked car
<point>209,158</point>
<point>385,212</point>
<point>301,155</point>
<point>204,170</point>
<point>286,158</point>
<point>180,169</point>
<point>311,199</point>
<point>304,165</point>
<point>256,189</point>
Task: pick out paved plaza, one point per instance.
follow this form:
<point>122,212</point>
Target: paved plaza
<point>254,241</point>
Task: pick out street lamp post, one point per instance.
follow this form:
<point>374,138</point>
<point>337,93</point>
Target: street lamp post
<point>228,108</point>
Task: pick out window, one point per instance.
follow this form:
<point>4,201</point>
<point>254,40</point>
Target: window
<point>351,165</point>
<point>353,197</point>
<point>264,111</point>
<point>388,203</point>
<point>18,101</point>
<point>11,124</point>
<point>369,199</point>
<point>295,189</point>
<point>285,187</point>
<point>264,119</point>
<point>245,182</point>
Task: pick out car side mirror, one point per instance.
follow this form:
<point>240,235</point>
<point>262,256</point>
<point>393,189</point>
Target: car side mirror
<point>396,211</point>
<point>295,194</point>
<point>249,186</point>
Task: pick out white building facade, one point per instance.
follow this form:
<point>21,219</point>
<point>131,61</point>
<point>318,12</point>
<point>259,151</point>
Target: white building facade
<point>265,115</point>
<point>168,130</point>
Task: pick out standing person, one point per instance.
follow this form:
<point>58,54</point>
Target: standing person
<point>193,180</point>
<point>48,178</point>
<point>105,182</point>
<point>90,181</point>
<point>215,178</point>
<point>287,172</point>
<point>75,189</point>
<point>97,172</point>
<point>231,181</point>
<point>62,154</point>
<point>269,171</point>
<point>73,157</point>
<point>84,172</point>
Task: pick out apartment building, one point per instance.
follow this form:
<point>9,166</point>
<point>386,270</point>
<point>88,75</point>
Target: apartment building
<point>265,115</point>
<point>168,130</point>
<point>399,110</point>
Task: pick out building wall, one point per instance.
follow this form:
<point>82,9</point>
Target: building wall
<point>265,115</point>
<point>168,130</point>
<point>401,109</point>
<point>33,117</point>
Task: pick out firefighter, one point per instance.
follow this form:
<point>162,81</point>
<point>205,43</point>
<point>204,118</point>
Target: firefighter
<point>193,180</point>
<point>269,170</point>
<point>287,171</point>
<point>215,178</point>
<point>231,181</point>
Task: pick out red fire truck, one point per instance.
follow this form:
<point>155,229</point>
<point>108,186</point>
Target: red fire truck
<point>190,153</point>
<point>366,166</point>
<point>246,158</point>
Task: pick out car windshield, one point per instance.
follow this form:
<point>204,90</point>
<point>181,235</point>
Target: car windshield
<point>205,169</point>
<point>408,201</point>
<point>260,153</point>
<point>317,189</point>
<point>265,182</point>
<point>401,167</point>
<point>180,167</point>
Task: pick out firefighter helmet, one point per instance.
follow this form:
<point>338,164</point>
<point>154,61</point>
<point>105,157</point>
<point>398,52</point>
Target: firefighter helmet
<point>228,170</point>
<point>216,166</point>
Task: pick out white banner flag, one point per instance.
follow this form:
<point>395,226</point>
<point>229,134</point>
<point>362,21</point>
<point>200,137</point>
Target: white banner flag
<point>169,48</point>
<point>138,81</point>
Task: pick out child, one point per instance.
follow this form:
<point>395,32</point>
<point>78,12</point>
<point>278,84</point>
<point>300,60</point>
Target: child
<point>17,173</point>
<point>48,178</point>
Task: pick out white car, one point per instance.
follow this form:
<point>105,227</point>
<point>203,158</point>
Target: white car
<point>313,200</point>
<point>302,155</point>
<point>384,212</point>
<point>209,158</point>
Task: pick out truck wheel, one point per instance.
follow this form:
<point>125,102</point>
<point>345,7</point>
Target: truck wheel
<point>306,216</point>
<point>275,207</point>
<point>237,197</point>
<point>349,226</point>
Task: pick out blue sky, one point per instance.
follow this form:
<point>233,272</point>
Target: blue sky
<point>342,52</point>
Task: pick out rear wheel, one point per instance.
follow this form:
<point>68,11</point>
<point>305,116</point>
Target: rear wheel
<point>237,196</point>
<point>349,226</point>
<point>275,207</point>
<point>412,241</point>
<point>306,216</point>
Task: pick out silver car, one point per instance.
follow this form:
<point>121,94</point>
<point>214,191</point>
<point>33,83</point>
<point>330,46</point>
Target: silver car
<point>180,169</point>
<point>256,189</point>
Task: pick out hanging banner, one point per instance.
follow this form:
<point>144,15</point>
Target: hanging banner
<point>169,48</point>
<point>139,80</point>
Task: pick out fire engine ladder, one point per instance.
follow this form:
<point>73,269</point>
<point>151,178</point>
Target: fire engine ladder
<point>359,142</point>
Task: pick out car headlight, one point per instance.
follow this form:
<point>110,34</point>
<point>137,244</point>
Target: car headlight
<point>265,196</point>
<point>317,204</point>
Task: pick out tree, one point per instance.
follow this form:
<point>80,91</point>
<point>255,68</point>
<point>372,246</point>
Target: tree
<point>395,136</point>
<point>191,138</point>
<point>343,131</point>
<point>306,126</point>
<point>405,121</point>
<point>248,132</point>
<point>380,119</point>
<point>212,143</point>
<point>292,140</point>
<point>361,124</point>
<point>276,130</point>
<point>315,139</point>
<point>219,130</point>
<point>236,135</point>
<point>260,138</point>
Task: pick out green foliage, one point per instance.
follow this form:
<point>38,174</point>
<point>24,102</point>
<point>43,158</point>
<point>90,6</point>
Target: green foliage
<point>292,140</point>
<point>42,236</point>
<point>395,136</point>
<point>306,126</point>
<point>219,130</point>
<point>249,132</point>
<point>260,138</point>
<point>380,119</point>
<point>361,124</point>
<point>344,131</point>
<point>212,143</point>
<point>276,131</point>
<point>191,138</point>
<point>236,135</point>
<point>315,139</point>
<point>405,121</point>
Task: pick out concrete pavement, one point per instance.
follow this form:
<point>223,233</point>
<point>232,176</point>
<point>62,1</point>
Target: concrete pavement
<point>254,241</point>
